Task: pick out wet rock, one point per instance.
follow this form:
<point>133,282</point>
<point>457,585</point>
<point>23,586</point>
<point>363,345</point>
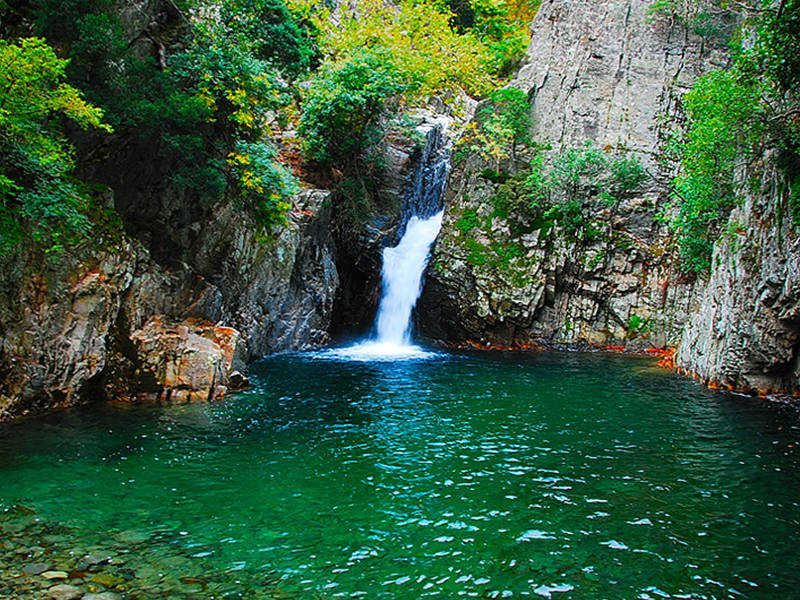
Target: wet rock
<point>277,292</point>
<point>64,591</point>
<point>599,72</point>
<point>132,536</point>
<point>36,568</point>
<point>102,596</point>
<point>55,320</point>
<point>185,361</point>
<point>107,579</point>
<point>745,332</point>
<point>97,558</point>
<point>71,330</point>
<point>55,575</point>
<point>238,381</point>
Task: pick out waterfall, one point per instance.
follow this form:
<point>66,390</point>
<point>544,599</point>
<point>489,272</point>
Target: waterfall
<point>402,271</point>
<point>404,263</point>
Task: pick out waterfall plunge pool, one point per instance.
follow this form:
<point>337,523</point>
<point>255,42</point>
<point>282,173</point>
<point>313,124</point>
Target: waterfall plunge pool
<point>486,475</point>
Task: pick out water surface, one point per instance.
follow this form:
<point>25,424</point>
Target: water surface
<point>476,475</point>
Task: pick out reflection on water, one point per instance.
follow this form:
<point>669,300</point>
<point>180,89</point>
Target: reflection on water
<point>483,475</point>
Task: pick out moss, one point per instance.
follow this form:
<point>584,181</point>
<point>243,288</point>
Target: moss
<point>468,220</point>
<point>495,176</point>
<point>477,253</point>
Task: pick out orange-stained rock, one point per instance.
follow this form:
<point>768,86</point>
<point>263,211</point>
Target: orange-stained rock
<point>184,361</point>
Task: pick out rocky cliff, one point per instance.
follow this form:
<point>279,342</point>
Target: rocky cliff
<point>110,321</point>
<point>598,72</point>
<point>612,75</point>
<point>745,333</point>
<point>178,316</point>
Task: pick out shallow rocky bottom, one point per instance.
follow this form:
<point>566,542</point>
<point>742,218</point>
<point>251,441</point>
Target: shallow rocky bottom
<point>40,559</point>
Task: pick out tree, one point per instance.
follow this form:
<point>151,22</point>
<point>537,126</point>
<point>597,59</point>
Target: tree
<point>38,197</point>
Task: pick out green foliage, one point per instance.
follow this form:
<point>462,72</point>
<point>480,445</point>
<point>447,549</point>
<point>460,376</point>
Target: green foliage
<point>710,19</point>
<point>193,110</point>
<point>264,184</point>
<point>564,191</point>
<point>494,176</point>
<point>345,100</point>
<point>735,117</point>
<point>268,31</point>
<point>478,253</point>
<point>468,220</point>
<point>638,326</point>
<point>39,200</point>
<point>721,110</point>
<point>428,55</point>
<point>502,123</point>
<point>560,193</point>
<point>502,25</point>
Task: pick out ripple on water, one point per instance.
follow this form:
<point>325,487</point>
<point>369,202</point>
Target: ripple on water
<point>358,473</point>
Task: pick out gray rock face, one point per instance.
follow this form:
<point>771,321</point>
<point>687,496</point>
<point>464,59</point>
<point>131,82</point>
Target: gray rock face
<point>606,72</point>
<point>745,334</point>
<point>548,289</point>
<point>277,293</point>
<point>86,326</point>
<point>598,72</point>
<point>55,325</point>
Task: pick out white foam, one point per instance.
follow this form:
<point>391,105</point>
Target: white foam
<point>376,351</point>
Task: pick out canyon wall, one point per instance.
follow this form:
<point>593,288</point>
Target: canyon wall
<point>745,333</point>
<point>612,75</point>
<point>109,321</point>
<point>608,74</point>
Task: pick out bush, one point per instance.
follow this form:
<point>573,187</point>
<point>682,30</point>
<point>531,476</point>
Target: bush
<point>341,109</point>
<point>199,105</point>
<point>39,200</point>
<point>264,184</point>
<point>501,124</point>
<point>429,56</point>
<point>502,26</point>
<point>565,190</point>
<point>734,118</point>
<point>268,31</point>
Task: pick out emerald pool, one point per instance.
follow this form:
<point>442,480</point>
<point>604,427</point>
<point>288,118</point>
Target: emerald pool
<point>485,475</point>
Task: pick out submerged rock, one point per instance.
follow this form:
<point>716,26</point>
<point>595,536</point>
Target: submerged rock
<point>238,381</point>
<point>64,591</point>
<point>102,596</point>
<point>35,568</point>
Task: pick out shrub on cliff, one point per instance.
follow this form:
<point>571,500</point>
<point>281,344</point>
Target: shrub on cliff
<point>39,198</point>
<point>503,26</point>
<point>565,190</point>
<point>735,118</point>
<point>425,50</point>
<point>502,123</point>
<point>342,107</point>
<point>196,105</point>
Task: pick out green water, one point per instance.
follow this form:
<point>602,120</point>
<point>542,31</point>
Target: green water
<point>477,475</point>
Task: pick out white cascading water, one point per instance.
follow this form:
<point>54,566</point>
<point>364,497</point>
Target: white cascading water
<point>403,267</point>
<point>404,264</point>
<point>402,271</point>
